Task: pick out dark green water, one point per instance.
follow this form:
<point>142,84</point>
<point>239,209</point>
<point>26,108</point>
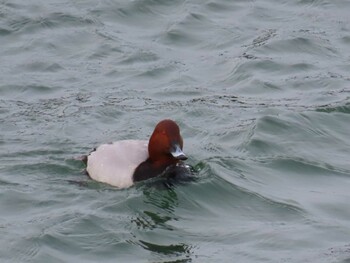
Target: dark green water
<point>260,90</point>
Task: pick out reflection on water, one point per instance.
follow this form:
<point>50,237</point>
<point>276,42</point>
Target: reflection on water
<point>165,199</point>
<point>161,204</point>
<point>177,249</point>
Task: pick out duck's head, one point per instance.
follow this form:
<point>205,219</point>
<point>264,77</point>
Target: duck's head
<point>166,144</point>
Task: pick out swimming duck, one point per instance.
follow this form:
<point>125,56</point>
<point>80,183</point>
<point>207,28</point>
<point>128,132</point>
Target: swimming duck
<point>122,163</point>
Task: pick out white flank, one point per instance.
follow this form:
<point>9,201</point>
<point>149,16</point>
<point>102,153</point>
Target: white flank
<point>115,163</point>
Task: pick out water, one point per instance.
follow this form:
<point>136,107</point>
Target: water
<point>260,90</point>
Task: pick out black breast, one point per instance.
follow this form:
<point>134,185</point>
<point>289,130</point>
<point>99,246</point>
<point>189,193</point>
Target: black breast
<point>146,171</point>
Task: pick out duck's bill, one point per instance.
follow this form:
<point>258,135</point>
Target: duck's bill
<point>177,153</point>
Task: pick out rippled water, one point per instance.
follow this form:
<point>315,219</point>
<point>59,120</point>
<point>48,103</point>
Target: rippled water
<point>260,90</point>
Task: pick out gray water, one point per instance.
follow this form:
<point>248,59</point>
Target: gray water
<point>260,90</point>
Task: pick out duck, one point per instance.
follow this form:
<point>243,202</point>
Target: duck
<point>125,162</point>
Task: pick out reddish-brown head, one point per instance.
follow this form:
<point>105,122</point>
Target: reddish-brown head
<point>165,145</point>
